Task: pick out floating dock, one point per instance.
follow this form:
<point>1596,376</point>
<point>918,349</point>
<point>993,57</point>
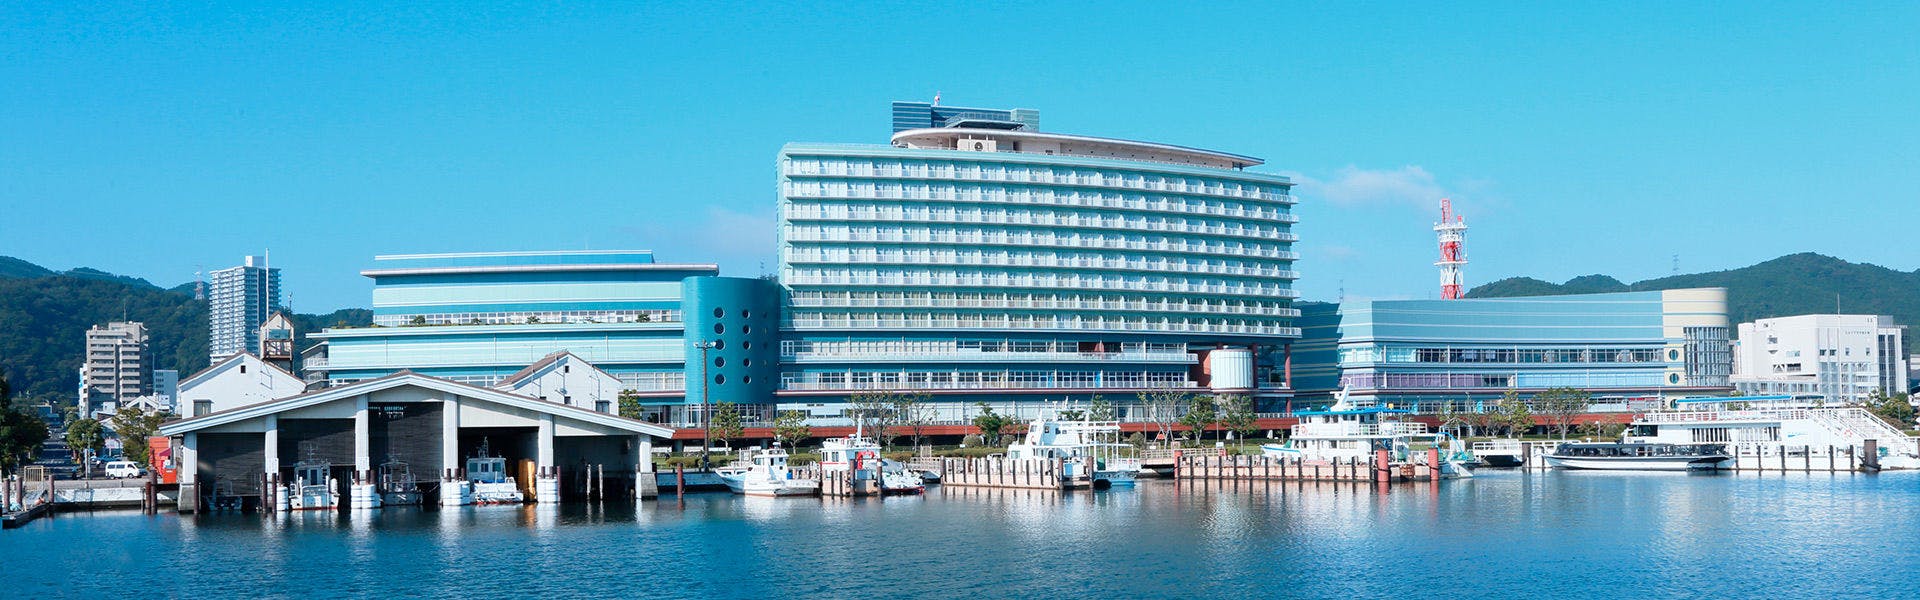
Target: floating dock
<point>1263,468</point>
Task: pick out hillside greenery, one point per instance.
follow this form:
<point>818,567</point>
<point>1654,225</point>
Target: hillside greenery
<point>44,316</point>
<point>1795,284</point>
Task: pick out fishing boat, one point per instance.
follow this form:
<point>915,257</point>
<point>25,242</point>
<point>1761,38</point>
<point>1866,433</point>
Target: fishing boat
<point>1640,456</point>
<point>313,486</point>
<point>1344,432</point>
<point>861,455</point>
<point>1503,453</point>
<point>1776,425</point>
<point>1087,448</point>
<point>765,473</point>
<point>491,483</point>
<point>396,484</point>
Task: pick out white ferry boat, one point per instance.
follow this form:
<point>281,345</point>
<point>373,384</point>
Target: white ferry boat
<point>1345,433</point>
<point>491,483</point>
<point>1767,426</point>
<point>862,455</point>
<point>1640,456</point>
<point>765,473</point>
<point>1090,449</point>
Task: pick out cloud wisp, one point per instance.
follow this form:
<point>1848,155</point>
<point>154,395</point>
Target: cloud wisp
<point>1352,187</point>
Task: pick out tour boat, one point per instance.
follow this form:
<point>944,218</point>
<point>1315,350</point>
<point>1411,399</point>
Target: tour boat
<point>1639,456</point>
<point>313,486</point>
<point>1776,425</point>
<point>1090,449</point>
<point>491,483</point>
<point>861,455</point>
<point>396,484</point>
<point>765,473</point>
<point>1345,433</point>
<point>1504,453</point>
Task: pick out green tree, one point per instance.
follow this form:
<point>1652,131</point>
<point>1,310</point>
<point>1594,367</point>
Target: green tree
<point>725,425</point>
<point>1562,406</point>
<point>134,426</point>
<point>1896,408</point>
<point>1072,414</point>
<point>630,404</point>
<point>22,433</point>
<point>872,413</point>
<point>85,435</point>
<point>1515,414</point>
<point>1100,409</point>
<point>991,424</point>
<point>1201,413</point>
<point>1236,414</point>
<point>913,412</point>
<point>1164,407</point>
<point>790,428</point>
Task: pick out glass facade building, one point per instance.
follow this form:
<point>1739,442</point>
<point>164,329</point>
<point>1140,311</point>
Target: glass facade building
<point>977,258</point>
<point>1402,352</point>
<point>479,317</point>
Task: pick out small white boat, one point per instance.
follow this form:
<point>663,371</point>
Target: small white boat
<point>1498,453</point>
<point>491,483</point>
<point>1776,425</point>
<point>1344,432</point>
<point>861,455</point>
<point>765,473</point>
<point>396,485</point>
<point>312,488</point>
<point>1087,448</point>
<point>1637,456</point>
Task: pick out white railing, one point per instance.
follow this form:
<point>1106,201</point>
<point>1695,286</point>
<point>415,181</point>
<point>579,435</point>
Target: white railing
<point>1157,357</point>
<point>1360,429</point>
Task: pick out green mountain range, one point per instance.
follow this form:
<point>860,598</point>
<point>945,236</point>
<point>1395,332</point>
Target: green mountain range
<point>1795,284</point>
<point>44,316</point>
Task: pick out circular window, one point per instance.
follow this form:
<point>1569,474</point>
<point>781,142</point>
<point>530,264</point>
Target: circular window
<point>719,379</point>
<point>747,345</point>
<point>746,314</point>
<point>720,361</point>
<point>1673,354</point>
<point>1673,378</point>
<point>719,328</point>
<point>746,379</point>
<point>746,329</point>
<point>719,312</point>
<point>746,362</point>
<point>719,344</point>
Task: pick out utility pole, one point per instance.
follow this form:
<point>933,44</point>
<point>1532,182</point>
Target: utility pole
<point>706,426</point>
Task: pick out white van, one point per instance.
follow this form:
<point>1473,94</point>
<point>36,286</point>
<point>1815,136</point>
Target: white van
<point>124,469</point>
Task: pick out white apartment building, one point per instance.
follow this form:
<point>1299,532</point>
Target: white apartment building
<point>239,299</point>
<point>1845,357</point>
<point>116,366</point>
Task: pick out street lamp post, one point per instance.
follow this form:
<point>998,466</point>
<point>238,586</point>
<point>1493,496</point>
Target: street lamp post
<point>706,426</point>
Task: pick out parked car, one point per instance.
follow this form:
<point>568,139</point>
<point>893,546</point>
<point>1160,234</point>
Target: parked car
<point>124,469</point>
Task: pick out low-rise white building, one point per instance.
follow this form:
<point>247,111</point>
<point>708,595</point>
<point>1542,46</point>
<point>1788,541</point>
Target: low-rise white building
<point>564,378</point>
<point>238,380</point>
<point>1844,357</point>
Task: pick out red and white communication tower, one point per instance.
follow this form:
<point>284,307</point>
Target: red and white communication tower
<point>1453,234</point>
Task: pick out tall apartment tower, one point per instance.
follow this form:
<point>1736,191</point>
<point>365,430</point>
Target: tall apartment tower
<point>239,299</point>
<point>116,367</point>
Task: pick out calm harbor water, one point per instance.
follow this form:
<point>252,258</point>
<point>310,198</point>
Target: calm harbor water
<point>1511,534</point>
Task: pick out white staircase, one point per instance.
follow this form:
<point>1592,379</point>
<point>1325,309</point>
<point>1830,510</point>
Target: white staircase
<point>1857,425</point>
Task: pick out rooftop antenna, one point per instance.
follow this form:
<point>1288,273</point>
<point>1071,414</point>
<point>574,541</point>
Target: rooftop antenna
<point>1452,230</point>
<point>1341,295</point>
<point>1676,264</point>
<point>199,282</point>
<point>936,98</point>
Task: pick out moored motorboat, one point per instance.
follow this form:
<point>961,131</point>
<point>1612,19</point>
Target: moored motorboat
<point>1088,449</point>
<point>490,481</point>
<point>313,486</point>
<point>861,456</point>
<point>766,474</point>
<point>396,484</point>
<point>1639,456</point>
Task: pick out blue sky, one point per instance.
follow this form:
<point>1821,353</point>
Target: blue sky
<point>157,140</point>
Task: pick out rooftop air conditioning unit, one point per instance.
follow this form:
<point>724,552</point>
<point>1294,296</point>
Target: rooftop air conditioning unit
<point>978,145</point>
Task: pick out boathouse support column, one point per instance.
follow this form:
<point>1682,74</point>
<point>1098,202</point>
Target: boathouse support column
<point>546,480</point>
<point>272,450</point>
<point>189,460</point>
<point>362,493</point>
<point>454,490</point>
<point>645,486</point>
